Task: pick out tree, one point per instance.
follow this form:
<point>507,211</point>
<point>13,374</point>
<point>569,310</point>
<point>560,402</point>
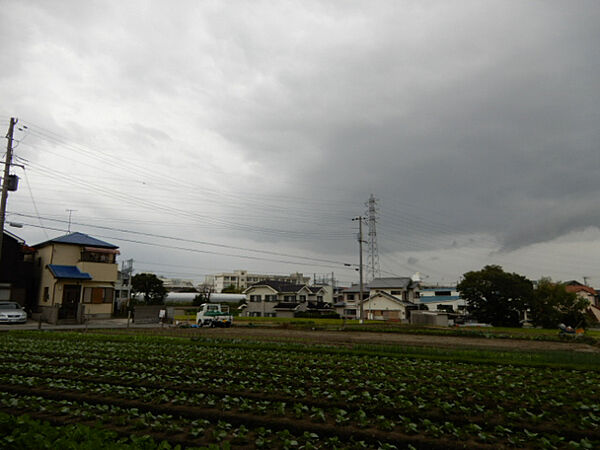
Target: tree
<point>495,296</point>
<point>202,297</point>
<point>149,285</point>
<point>231,289</point>
<point>551,305</point>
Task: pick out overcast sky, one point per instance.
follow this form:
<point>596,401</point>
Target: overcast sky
<point>267,126</point>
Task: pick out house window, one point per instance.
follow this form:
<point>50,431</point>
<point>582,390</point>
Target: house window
<point>255,298</point>
<point>396,292</point>
<point>46,293</point>
<point>271,314</point>
<point>442,293</point>
<point>99,257</point>
<point>349,296</point>
<point>98,295</point>
<point>289,298</point>
<point>302,298</point>
<point>270,298</point>
<point>255,314</point>
<point>319,298</point>
<point>349,312</point>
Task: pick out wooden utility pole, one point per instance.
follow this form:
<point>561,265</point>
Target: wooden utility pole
<point>5,180</point>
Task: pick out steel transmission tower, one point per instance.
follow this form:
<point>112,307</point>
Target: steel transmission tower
<point>373,270</point>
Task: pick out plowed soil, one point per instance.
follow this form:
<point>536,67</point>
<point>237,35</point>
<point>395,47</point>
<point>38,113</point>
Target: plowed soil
<point>352,337</point>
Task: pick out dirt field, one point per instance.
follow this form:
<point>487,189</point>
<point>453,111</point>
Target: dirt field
<point>339,337</point>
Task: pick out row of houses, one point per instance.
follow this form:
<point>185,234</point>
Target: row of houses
<point>76,276</point>
<point>382,299</point>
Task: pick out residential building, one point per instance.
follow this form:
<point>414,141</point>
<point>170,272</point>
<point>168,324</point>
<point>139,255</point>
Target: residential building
<point>241,279</point>
<point>588,293</point>
<point>382,299</point>
<point>347,305</point>
<point>383,306</point>
<point>178,284</point>
<point>16,271</point>
<point>391,298</point>
<point>583,291</point>
<point>77,275</point>
<point>273,298</point>
<point>442,298</point>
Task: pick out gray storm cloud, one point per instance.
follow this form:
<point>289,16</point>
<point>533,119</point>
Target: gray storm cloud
<point>471,119</point>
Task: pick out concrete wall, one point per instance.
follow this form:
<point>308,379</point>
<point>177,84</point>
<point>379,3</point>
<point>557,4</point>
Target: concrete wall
<point>427,318</point>
<point>147,313</point>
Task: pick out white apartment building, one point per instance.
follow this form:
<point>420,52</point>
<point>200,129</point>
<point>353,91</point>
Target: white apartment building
<point>241,279</point>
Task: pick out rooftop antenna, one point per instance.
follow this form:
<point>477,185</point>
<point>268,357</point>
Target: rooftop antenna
<point>70,211</point>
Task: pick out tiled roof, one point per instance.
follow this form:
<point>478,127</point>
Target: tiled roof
<point>387,283</point>
<point>579,288</point>
<point>279,286</point>
<point>390,297</point>
<point>77,239</point>
<point>315,289</point>
<point>356,289</point>
<point>68,272</point>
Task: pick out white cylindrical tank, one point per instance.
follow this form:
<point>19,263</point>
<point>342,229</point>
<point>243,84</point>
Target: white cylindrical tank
<point>188,297</point>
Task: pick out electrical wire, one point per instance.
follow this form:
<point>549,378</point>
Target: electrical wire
<point>208,252</point>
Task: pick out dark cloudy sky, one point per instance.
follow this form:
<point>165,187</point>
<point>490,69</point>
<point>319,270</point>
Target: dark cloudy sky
<point>267,125</point>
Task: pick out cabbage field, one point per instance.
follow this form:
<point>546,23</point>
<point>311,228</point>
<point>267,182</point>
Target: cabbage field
<point>108,391</point>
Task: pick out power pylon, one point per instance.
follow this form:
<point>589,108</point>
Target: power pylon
<point>373,270</point>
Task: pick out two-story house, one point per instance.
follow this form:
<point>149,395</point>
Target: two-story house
<point>347,304</point>
<point>76,277</point>
<point>382,299</point>
<point>442,298</point>
<point>271,298</point>
<point>391,298</point>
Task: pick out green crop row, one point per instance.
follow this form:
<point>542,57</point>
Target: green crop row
<point>383,397</point>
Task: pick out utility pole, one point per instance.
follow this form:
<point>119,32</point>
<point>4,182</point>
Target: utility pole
<point>360,270</point>
<point>7,164</point>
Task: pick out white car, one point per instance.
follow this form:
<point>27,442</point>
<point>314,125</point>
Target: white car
<point>11,312</point>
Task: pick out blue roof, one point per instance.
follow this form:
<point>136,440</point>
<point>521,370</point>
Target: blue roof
<point>438,298</point>
<point>70,272</point>
<point>78,239</point>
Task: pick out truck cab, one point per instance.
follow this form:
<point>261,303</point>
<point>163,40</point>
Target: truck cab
<point>214,315</point>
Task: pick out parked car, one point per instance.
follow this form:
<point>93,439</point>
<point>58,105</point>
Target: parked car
<point>12,312</point>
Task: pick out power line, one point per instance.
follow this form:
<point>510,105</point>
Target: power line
<point>306,258</point>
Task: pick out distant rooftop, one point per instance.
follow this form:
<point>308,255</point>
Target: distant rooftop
<point>280,286</point>
<point>393,282</point>
<point>77,239</point>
